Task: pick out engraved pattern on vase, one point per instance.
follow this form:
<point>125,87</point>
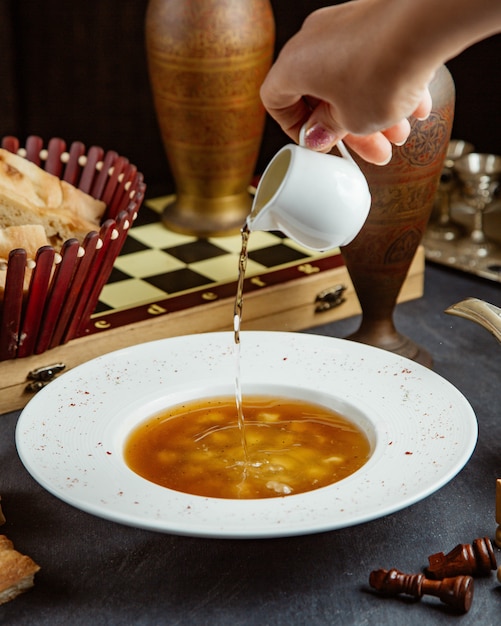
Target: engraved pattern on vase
<point>207,60</point>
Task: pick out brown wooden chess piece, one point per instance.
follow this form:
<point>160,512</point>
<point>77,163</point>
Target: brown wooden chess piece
<point>455,592</point>
<point>403,193</point>
<point>475,559</point>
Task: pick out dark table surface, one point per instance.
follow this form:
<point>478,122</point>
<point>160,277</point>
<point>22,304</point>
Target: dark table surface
<point>98,572</point>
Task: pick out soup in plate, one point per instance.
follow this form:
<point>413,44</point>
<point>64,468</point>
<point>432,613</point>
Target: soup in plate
<point>289,446</point>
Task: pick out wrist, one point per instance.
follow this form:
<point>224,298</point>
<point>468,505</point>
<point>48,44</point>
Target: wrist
<point>429,33</point>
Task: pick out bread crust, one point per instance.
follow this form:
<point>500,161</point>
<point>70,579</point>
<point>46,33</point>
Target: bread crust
<point>31,237</point>
<point>17,571</point>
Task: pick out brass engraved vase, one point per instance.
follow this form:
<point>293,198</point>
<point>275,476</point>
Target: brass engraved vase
<point>207,60</point>
<point>403,193</point>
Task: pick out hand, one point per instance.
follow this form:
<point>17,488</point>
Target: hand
<point>337,77</point>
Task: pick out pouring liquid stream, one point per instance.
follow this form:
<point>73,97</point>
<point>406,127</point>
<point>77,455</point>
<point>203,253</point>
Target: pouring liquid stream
<point>237,320</point>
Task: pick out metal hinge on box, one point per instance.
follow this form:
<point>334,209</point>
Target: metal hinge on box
<point>42,375</point>
<point>330,298</point>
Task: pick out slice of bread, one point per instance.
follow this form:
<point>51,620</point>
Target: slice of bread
<point>17,571</point>
<point>31,196</point>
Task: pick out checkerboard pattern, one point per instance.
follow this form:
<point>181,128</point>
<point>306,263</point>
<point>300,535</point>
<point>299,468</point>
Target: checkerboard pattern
<point>156,263</point>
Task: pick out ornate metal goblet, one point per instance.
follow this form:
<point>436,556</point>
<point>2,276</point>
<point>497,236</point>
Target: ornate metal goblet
<point>480,178</point>
<point>443,228</point>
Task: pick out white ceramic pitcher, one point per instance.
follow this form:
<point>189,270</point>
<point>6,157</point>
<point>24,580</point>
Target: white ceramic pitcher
<point>319,200</point>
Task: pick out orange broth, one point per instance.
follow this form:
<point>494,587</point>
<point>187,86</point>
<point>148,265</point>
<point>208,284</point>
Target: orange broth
<point>292,446</point>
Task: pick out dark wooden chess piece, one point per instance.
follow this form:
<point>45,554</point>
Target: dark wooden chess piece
<point>475,559</point>
<point>456,592</point>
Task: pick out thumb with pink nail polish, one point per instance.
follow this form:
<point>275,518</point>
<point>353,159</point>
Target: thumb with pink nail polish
<point>319,138</point>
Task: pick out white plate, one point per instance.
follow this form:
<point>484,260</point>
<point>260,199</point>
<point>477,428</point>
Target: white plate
<point>70,436</point>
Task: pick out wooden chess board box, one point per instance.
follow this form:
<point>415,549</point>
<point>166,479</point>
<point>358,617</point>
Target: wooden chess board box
<point>166,284</point>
